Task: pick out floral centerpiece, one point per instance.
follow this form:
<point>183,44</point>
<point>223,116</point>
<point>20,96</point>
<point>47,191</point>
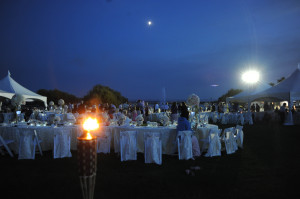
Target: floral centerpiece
<point>51,105</point>
<point>121,119</point>
<point>60,108</point>
<point>56,119</point>
<point>17,100</point>
<point>193,102</point>
<point>164,120</point>
<point>139,119</point>
<point>65,108</point>
<point>61,102</point>
<point>105,118</point>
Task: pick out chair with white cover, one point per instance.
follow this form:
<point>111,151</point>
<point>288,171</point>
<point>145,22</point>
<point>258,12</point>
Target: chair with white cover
<point>215,117</point>
<point>224,119</point>
<point>248,118</point>
<point>27,144</point>
<point>4,143</point>
<point>153,147</point>
<point>205,141</point>
<point>230,142</point>
<point>103,143</point>
<point>62,145</point>
<point>128,146</point>
<point>184,140</point>
<point>239,136</point>
<point>214,143</point>
<point>241,119</point>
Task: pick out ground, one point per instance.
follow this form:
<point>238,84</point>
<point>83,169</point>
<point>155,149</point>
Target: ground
<point>267,166</point>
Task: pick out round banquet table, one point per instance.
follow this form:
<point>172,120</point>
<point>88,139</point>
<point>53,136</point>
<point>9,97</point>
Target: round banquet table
<point>45,133</point>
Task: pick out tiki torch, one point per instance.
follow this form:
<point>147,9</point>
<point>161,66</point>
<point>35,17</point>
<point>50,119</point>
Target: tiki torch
<point>87,158</point>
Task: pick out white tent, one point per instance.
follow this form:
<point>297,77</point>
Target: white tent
<point>247,95</point>
<point>9,87</point>
<point>287,90</point>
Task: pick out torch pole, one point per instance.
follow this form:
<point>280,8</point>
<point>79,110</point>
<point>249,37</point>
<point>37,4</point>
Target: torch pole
<point>87,165</point>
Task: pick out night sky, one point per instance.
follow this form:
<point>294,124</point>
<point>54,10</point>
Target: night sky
<point>191,45</point>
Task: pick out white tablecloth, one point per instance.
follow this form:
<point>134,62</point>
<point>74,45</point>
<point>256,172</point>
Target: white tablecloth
<point>46,134</point>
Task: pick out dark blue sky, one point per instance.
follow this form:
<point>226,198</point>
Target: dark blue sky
<point>74,45</point>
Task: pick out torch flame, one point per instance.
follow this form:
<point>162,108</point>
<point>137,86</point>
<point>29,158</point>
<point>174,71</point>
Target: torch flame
<point>90,124</point>
<point>88,136</point>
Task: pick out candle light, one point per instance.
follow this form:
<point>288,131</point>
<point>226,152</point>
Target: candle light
<point>87,158</point>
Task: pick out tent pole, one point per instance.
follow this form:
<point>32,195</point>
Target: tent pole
<point>290,120</point>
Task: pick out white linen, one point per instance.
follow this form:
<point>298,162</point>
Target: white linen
<point>153,148</point>
<point>214,148</point>
<point>168,138</point>
<point>45,133</point>
<point>185,151</point>
<point>128,145</point>
<point>62,145</point>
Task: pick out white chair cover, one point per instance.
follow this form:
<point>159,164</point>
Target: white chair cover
<point>206,141</point>
<point>214,148</point>
<point>241,119</point>
<point>128,145</point>
<point>5,142</point>
<point>195,147</point>
<point>224,119</point>
<point>153,147</point>
<point>184,140</point>
<point>103,143</point>
<point>239,136</point>
<point>233,118</point>
<point>27,144</point>
<point>215,117</point>
<point>230,142</point>
<point>248,118</point>
<point>62,145</point>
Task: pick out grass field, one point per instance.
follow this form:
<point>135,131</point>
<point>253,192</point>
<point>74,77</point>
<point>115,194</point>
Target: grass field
<point>268,166</point>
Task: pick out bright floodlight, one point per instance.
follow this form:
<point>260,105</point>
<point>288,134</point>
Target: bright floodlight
<point>250,77</point>
<point>149,23</point>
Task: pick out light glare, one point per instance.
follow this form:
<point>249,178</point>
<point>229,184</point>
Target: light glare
<point>90,124</point>
<point>250,77</point>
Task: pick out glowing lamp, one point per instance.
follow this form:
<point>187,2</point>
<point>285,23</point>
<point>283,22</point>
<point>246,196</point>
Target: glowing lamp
<point>250,77</point>
<point>87,158</point>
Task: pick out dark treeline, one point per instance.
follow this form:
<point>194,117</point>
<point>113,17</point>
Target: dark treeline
<point>230,93</point>
<point>98,94</point>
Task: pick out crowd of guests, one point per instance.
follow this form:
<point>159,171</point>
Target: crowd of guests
<point>174,109</point>
<point>131,110</point>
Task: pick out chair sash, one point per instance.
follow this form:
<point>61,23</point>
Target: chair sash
<point>62,145</point>
<point>214,148</point>
<point>153,148</point>
<point>185,150</point>
<point>128,145</point>
<point>27,144</point>
<point>230,142</point>
<point>239,138</point>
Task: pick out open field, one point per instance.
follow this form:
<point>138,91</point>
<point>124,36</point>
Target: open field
<point>267,166</point>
